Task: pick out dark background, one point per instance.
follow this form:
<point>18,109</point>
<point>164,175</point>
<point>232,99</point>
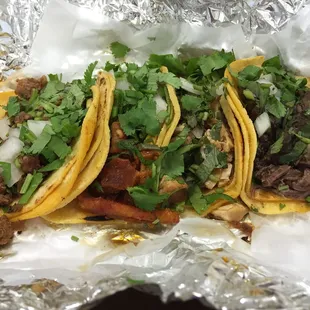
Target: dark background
<point>134,299</point>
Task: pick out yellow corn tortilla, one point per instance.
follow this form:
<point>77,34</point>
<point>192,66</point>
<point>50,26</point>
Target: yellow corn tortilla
<point>59,184</point>
<point>258,200</point>
<point>167,130</point>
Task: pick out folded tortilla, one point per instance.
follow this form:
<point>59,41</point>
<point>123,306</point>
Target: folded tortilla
<point>258,200</point>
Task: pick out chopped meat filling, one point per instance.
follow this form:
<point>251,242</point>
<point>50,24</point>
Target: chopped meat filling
<point>25,87</point>
<point>30,163</point>
<point>6,230</point>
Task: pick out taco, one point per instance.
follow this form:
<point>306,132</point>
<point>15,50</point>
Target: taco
<point>165,157</point>
<point>142,117</point>
<point>47,128</point>
<point>272,107</point>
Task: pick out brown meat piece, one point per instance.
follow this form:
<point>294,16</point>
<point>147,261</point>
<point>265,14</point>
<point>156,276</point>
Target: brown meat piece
<point>6,230</point>
<point>25,87</point>
<point>117,135</point>
<point>143,175</point>
<point>5,200</point>
<point>30,163</point>
<point>2,185</point>
<point>303,184</point>
<point>150,154</point>
<point>270,174</point>
<point>117,210</point>
<point>177,189</point>
<point>117,175</point>
<point>22,117</point>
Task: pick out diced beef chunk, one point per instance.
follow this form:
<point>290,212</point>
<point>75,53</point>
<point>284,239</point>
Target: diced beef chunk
<point>22,117</point>
<point>2,185</point>
<point>5,200</point>
<point>25,87</point>
<point>30,163</point>
<point>302,184</point>
<point>117,175</point>
<point>6,230</point>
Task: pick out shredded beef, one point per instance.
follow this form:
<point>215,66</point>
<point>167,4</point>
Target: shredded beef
<point>30,163</point>
<point>302,184</point>
<point>6,230</point>
<point>22,117</point>
<point>270,174</point>
<point>25,87</point>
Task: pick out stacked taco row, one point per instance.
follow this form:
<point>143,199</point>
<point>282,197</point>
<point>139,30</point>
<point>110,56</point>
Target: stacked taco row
<point>147,143</point>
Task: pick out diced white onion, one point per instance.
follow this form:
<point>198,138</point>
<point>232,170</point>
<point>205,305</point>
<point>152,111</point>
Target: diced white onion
<point>122,84</point>
<point>161,104</point>
<point>220,90</point>
<point>16,175</point>
<point>37,126</point>
<point>265,79</point>
<point>188,86</point>
<point>4,128</point>
<point>123,67</point>
<point>197,132</point>
<point>14,132</point>
<point>262,124</point>
<point>226,172</point>
<point>10,149</point>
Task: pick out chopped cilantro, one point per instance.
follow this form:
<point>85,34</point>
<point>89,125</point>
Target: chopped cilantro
<point>5,171</point>
<point>75,238</point>
<point>215,61</point>
<point>254,209</point>
<point>34,184</point>
<point>190,103</point>
<point>282,206</point>
<point>26,135</point>
<point>250,73</point>
<point>216,131</point>
<point>135,282</point>
<point>145,199</point>
<point>119,50</point>
<point>308,199</point>
<point>173,64</point>
<point>59,147</point>
<point>88,75</point>
<point>298,149</point>
<point>275,107</point>
<point>13,106</point>
<point>169,78</point>
<point>54,165</point>
<point>277,146</point>
<point>41,142</point>
<point>283,187</point>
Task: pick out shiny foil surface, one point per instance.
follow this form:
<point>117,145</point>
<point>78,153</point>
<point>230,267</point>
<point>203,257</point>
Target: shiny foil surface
<point>199,258</point>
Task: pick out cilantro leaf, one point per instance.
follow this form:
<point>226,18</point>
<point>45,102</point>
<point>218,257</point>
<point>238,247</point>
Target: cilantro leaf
<point>145,199</point>
<point>5,172</point>
<point>172,165</point>
<point>119,50</point>
<point>56,164</point>
<point>211,198</point>
<point>169,78</point>
<point>59,147</point>
<point>26,135</point>
<point>216,131</point>
<point>88,75</point>
<point>275,107</point>
<point>215,61</point>
<point>298,149</point>
<point>173,64</point>
<point>273,62</point>
<point>191,103</point>
<point>35,182</point>
<point>250,73</point>
<point>196,199</point>
<point>277,146</point>
<point>13,106</point>
<point>41,142</point>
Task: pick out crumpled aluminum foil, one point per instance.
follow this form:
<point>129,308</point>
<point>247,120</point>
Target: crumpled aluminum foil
<point>215,273</point>
<point>20,19</point>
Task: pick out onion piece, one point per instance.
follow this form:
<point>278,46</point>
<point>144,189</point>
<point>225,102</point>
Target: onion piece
<point>188,86</point>
<point>161,104</point>
<point>37,126</point>
<point>4,128</point>
<point>10,149</point>
<point>262,124</point>
<point>220,90</point>
<point>122,84</point>
<point>16,175</point>
<point>265,79</point>
<point>14,132</point>
<point>197,132</point>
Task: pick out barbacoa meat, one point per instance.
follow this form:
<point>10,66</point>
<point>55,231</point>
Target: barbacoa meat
<point>25,87</point>
<point>22,117</point>
<point>30,163</point>
<point>116,210</point>
<point>117,175</point>
<point>270,174</point>
<point>6,230</point>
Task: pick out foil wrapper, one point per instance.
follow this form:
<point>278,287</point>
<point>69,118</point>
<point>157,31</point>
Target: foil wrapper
<point>45,268</point>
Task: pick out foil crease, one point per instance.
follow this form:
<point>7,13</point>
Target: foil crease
<point>19,19</point>
<point>215,275</point>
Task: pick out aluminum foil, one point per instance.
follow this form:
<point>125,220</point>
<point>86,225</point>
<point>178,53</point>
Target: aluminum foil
<point>199,258</point>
